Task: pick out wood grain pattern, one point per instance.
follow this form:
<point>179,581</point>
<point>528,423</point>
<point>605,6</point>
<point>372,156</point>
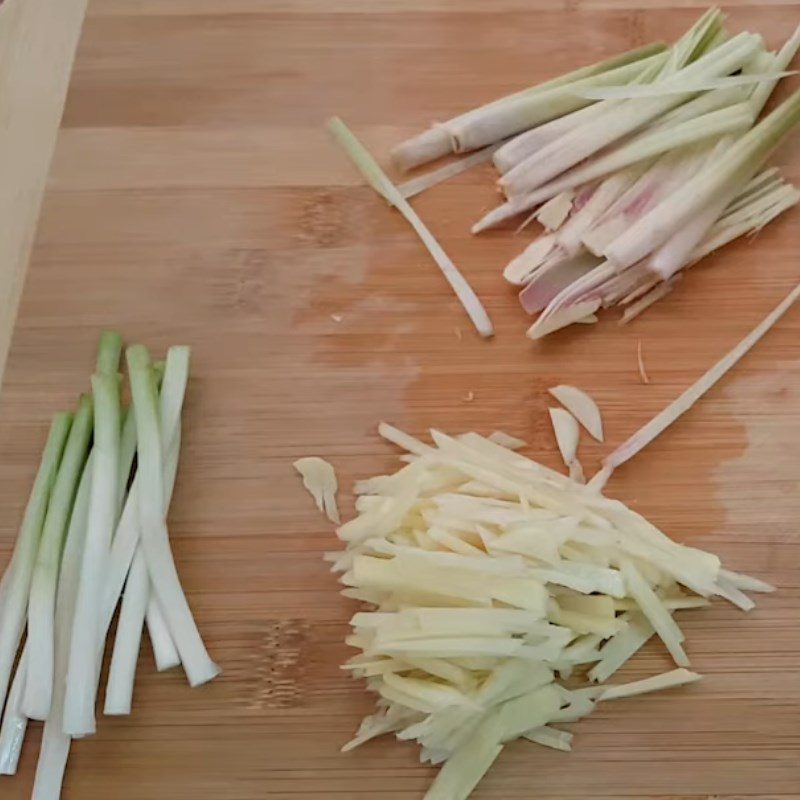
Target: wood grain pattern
<point>194,199</point>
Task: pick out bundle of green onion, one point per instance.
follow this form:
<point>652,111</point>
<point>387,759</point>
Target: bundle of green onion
<point>637,167</point>
<point>94,531</point>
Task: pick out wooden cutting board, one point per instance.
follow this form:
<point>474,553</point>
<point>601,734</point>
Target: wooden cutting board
<point>194,198</point>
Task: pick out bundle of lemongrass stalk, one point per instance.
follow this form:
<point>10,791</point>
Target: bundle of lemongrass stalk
<point>637,167</point>
<point>94,531</point>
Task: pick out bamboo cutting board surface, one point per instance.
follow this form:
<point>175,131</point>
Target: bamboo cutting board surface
<point>194,198</point>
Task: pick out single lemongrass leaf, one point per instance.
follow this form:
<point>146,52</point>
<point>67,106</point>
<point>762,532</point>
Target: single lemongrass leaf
<point>41,605</point>
<point>119,689</point>
<point>55,743</point>
<point>20,570</point>
<point>564,318</point>
<point>780,61</point>
<point>154,535</point>
<point>83,673</point>
<point>378,180</point>
<point>688,398</point>
<point>662,88</point>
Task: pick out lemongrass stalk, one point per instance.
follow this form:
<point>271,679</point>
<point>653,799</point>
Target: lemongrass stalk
<point>622,118</point>
<point>378,180</point>
<point>416,186</point>
<point>165,654</point>
<point>41,605</point>
<point>127,452</point>
<point>13,612</point>
<point>55,743</point>
<point>437,142</point>
<point>15,722</point>
<point>731,119</point>
<point>688,398</point>
<point>83,670</point>
<point>737,165</point>
<point>700,84</point>
<point>119,690</point>
<point>154,535</point>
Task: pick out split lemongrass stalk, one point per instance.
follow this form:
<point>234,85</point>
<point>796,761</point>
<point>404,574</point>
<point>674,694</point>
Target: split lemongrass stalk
<point>513,113</point>
<point>381,183</point>
<point>682,404</point>
<point>83,673</point>
<point>644,146</point>
<point>55,742</point>
<point>20,571</point>
<point>735,167</point>
<point>154,535</point>
<point>41,606</point>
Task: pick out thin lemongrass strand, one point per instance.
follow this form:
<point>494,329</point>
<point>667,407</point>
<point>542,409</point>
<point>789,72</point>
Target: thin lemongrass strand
<point>15,722</point>
<point>731,119</point>
<point>154,535</point>
<point>646,145</point>
<point>662,88</point>
<point>563,318</point>
<point>378,180</point>
<point>437,142</point>
<point>653,296</point>
<point>83,672</point>
<point>119,689</point>
<point>55,743</point>
<point>780,61</point>
<point>17,588</point>
<point>165,653</point>
<point>126,539</point>
<point>741,161</point>
<point>416,186</point>
<point>42,603</point>
<point>688,398</point>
